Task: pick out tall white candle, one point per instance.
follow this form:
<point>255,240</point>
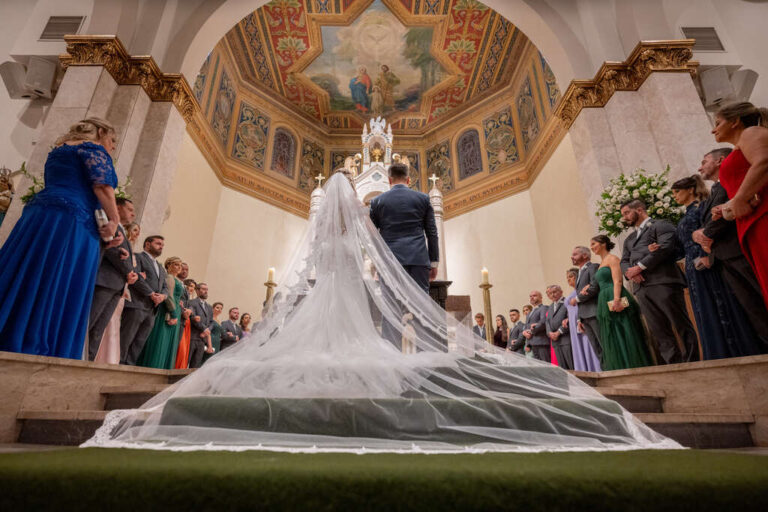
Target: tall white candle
<point>271,274</point>
<point>485,275</point>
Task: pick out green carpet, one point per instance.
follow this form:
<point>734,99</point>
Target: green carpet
<point>113,480</point>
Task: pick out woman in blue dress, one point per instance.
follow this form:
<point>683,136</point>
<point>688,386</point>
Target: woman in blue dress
<point>724,329</point>
<point>48,264</point>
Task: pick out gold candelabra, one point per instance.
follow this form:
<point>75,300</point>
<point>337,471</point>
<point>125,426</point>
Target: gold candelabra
<point>486,286</point>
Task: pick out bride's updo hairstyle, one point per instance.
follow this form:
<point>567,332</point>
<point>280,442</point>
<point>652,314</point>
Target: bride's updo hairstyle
<point>91,129</point>
<point>746,112</point>
<point>695,183</point>
<point>603,239</point>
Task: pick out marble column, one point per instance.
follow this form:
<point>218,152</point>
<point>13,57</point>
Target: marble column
<point>436,199</point>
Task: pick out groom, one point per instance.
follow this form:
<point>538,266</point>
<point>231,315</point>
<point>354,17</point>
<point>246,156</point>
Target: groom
<point>403,217</point>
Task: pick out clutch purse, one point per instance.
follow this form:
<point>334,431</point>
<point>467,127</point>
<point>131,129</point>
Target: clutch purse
<point>624,302</point>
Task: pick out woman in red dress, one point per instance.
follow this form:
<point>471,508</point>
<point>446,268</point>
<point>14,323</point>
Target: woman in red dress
<point>744,175</point>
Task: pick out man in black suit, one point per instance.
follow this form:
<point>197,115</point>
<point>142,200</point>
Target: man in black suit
<point>479,328</point>
<point>231,332</point>
<point>558,331</point>
<point>535,332</point>
<point>719,238</point>
<point>587,301</point>
<point>658,282</point>
<point>202,321</point>
<point>147,293</point>
<point>515,330</point>
<point>115,270</point>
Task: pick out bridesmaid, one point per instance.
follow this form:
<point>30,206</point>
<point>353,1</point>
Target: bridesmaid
<point>500,336</point>
<point>245,324</point>
<point>215,339</point>
<point>162,340</point>
<point>621,330</point>
<point>180,359</point>
<point>584,358</point>
<point>744,175</point>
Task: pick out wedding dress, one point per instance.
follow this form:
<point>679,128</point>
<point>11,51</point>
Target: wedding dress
<point>317,375</point>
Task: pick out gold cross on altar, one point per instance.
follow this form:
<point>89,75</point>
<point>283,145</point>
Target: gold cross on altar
<point>319,179</point>
<point>433,179</point>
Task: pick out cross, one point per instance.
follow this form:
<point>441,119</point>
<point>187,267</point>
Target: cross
<point>433,179</point>
<point>319,179</point>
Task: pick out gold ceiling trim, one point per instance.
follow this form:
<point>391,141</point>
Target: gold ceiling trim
<point>109,52</point>
<point>646,58</point>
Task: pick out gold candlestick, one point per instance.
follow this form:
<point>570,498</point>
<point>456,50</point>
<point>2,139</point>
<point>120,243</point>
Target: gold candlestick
<point>487,307</point>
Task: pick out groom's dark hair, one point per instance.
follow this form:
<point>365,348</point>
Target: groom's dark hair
<point>398,172</point>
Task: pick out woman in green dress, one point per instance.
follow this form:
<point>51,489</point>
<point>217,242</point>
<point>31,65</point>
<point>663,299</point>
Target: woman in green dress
<point>215,339</point>
<point>160,348</point>
<point>621,329</point>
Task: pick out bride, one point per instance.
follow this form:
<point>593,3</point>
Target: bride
<point>317,375</point>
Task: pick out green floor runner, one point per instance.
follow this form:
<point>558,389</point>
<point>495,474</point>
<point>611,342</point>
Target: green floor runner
<point>115,480</point>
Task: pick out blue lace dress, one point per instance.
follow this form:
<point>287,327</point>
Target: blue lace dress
<point>724,328</point>
<point>48,264</point>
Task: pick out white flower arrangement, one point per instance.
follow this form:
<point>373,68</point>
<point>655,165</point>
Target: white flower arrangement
<point>653,189</point>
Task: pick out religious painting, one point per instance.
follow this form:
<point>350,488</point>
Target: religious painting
<point>526,112</point>
<point>251,136</point>
<point>311,164</point>
<point>414,169</point>
<point>439,164</point>
<point>375,66</point>
<point>338,157</point>
<point>553,91</point>
<point>468,154</point>
<point>500,143</point>
<point>199,87</point>
<point>283,152</point>
<point>222,113</point>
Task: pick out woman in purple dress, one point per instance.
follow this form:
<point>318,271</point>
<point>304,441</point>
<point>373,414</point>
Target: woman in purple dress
<point>584,358</point>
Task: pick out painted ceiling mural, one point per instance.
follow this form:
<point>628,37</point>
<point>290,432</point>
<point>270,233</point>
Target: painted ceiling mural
<point>341,61</point>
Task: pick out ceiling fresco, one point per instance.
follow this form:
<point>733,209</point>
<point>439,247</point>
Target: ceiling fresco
<point>338,62</point>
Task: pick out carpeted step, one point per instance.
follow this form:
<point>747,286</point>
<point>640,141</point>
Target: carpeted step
<point>430,419</point>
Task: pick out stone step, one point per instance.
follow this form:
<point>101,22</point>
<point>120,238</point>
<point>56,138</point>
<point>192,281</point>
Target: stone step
<point>129,397</point>
<point>588,378</point>
<point>69,428</point>
<point>703,431</point>
<point>635,400</point>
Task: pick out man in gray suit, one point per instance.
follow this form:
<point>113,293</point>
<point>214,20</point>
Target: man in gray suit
<point>587,300</point>
<point>719,238</point>
<point>115,270</point>
<point>202,321</point>
<point>535,332</point>
<point>658,282</point>
<point>515,330</point>
<point>231,332</point>
<point>147,293</point>
<point>558,331</point>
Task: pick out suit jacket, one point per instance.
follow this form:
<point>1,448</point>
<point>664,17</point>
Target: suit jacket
<point>515,332</point>
<point>229,330</point>
<point>403,217</point>
<point>205,312</point>
<point>480,331</point>
<point>660,266</point>
<point>145,286</point>
<point>112,270</point>
<point>539,317</point>
<point>556,313</point>
<point>725,238</point>
<point>588,300</point>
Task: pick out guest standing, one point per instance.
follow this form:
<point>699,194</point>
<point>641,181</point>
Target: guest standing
<point>202,321</point>
<point>724,329</point>
<point>231,332</point>
<point>658,282</point>
<point>245,324</point>
<point>535,332</point>
<point>584,357</point>
<point>515,330</point>
<point>479,328</point>
<point>49,262</point>
<point>160,348</point>
<point>146,295</point>
<point>216,332</point>
<point>115,271</point>
<point>558,330</point>
<point>720,238</point>
<point>587,301</point>
<point>182,353</point>
<point>744,175</point>
<point>621,330</point>
<point>500,336</point>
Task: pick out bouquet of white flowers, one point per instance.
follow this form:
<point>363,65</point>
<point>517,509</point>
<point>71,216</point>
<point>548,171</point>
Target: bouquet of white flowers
<point>652,189</point>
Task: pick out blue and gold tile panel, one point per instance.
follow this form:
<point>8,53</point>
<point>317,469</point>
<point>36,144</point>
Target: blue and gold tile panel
<point>500,142</point>
<point>251,136</point>
<point>439,164</point>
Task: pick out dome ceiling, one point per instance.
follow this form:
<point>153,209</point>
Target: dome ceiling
<point>339,62</point>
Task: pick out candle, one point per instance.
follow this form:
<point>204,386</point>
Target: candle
<point>271,274</point>
<point>485,275</point>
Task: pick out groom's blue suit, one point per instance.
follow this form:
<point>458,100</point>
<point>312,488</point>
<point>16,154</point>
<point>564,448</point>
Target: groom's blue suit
<point>404,217</point>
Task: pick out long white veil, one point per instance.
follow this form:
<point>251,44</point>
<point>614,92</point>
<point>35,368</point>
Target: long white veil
<point>353,356</point>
